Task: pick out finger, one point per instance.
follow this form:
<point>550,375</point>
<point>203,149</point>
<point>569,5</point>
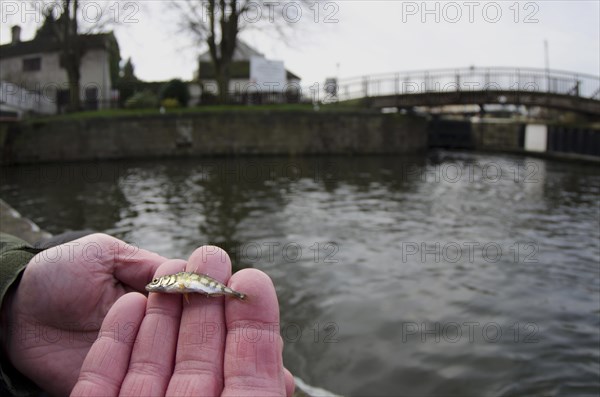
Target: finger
<point>290,384</point>
<point>106,363</point>
<point>253,349</point>
<point>131,265</point>
<point>134,266</point>
<point>199,357</point>
<point>153,356</point>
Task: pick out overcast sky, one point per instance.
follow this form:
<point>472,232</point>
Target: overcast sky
<point>361,37</point>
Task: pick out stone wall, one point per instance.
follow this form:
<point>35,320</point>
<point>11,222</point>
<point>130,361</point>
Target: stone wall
<point>12,222</point>
<point>217,133</point>
<point>266,132</point>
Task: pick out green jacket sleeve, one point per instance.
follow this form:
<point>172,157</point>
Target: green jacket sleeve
<point>15,254</point>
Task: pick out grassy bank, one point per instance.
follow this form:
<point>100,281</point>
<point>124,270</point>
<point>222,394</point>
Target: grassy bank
<point>116,113</point>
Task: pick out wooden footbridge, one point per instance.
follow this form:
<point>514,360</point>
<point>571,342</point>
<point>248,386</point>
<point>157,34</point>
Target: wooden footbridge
<point>530,87</point>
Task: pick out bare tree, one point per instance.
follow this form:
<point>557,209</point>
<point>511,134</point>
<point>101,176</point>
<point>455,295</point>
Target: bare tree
<point>217,23</point>
<point>67,34</point>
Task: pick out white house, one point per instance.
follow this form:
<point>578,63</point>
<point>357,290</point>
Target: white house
<point>35,67</point>
<point>251,73</point>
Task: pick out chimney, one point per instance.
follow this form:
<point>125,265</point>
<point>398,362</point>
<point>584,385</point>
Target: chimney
<point>16,34</point>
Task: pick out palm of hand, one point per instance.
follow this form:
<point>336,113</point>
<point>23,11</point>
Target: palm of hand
<point>60,303</point>
<point>207,346</point>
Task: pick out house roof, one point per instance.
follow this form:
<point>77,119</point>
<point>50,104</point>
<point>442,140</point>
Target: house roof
<point>240,67</point>
<point>242,52</point>
<point>47,44</point>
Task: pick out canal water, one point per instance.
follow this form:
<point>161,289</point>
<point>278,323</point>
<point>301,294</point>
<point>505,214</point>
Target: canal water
<point>443,274</point>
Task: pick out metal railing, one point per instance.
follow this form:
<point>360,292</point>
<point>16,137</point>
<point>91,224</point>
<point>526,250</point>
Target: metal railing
<point>20,100</point>
<point>471,79</point>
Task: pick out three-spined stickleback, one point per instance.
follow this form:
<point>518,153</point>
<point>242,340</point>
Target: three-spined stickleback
<point>189,282</point>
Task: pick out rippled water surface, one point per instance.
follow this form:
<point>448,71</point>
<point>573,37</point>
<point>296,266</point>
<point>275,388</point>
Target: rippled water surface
<point>451,273</point>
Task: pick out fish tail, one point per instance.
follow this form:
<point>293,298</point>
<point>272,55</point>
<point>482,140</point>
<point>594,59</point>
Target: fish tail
<point>239,295</point>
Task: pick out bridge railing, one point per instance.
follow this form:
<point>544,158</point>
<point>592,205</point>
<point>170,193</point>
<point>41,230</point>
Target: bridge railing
<point>471,79</point>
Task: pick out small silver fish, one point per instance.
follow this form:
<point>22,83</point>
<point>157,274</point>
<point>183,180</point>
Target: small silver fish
<point>188,282</point>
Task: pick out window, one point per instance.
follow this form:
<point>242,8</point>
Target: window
<point>32,64</point>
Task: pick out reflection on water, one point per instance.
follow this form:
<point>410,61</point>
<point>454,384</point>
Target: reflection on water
<point>454,273</point>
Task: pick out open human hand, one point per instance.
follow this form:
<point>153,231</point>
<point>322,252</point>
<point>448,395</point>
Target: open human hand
<point>210,346</point>
<point>53,317</point>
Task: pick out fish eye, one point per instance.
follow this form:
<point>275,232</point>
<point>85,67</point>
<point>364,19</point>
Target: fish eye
<point>155,281</point>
